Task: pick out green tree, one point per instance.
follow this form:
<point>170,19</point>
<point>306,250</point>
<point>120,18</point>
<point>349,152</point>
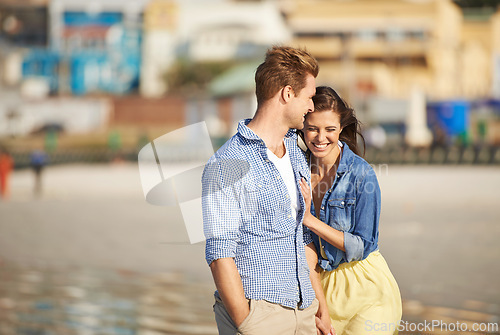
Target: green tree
<point>477,3</point>
<point>186,76</point>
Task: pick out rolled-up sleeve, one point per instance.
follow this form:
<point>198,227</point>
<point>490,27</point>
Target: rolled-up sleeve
<point>353,246</point>
<point>221,215</point>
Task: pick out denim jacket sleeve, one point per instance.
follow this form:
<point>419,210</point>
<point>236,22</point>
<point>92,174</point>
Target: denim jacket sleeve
<point>363,236</point>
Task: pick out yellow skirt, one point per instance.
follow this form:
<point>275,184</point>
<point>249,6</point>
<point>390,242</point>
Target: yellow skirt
<point>363,297</point>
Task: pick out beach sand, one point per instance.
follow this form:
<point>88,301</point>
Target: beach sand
<point>92,238</point>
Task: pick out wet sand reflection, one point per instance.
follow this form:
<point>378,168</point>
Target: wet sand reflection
<point>46,301</point>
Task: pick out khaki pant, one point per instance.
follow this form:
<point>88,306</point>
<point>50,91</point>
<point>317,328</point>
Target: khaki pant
<point>267,318</point>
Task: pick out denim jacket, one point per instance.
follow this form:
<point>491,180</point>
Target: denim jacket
<point>351,205</point>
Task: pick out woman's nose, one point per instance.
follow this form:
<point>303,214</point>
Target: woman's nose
<point>321,136</point>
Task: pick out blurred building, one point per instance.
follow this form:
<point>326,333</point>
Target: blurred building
<point>477,52</point>
<point>495,40</point>
<point>376,52</point>
<point>224,31</point>
<point>24,23</point>
<point>161,19</point>
<point>205,32</point>
<point>100,42</point>
<point>210,32</point>
<point>385,47</point>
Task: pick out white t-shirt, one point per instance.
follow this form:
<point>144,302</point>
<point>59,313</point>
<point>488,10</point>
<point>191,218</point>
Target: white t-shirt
<point>284,166</point>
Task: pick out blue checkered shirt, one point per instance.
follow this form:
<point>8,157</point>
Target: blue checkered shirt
<point>247,215</point>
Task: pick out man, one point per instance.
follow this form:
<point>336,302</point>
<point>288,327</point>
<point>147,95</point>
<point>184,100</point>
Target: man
<point>253,209</point>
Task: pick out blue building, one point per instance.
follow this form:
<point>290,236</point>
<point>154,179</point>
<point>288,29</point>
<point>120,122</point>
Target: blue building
<point>95,46</point>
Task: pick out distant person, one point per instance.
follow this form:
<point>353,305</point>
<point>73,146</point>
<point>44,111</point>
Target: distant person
<point>38,161</point>
<point>6,166</point>
<point>361,293</point>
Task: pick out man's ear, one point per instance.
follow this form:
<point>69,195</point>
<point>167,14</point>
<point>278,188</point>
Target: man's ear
<point>287,93</point>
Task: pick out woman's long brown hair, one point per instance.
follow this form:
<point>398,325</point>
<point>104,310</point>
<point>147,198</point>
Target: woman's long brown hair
<point>326,99</point>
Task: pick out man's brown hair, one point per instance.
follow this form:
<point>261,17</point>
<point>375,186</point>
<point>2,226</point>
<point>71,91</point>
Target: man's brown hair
<point>283,66</point>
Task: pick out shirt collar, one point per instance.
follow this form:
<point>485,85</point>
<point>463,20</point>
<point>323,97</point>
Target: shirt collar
<point>248,133</point>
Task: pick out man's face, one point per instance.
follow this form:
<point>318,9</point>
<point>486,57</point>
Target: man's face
<point>301,104</point>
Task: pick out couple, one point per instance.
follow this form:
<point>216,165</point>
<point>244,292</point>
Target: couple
<point>292,236</point>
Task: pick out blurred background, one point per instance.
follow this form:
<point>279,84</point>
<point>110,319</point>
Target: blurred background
<point>85,84</point>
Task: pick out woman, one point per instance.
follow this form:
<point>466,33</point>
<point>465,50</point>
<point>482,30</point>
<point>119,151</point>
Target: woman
<point>362,296</point>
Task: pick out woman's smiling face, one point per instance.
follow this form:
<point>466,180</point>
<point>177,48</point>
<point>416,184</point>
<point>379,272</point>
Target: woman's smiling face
<point>321,132</point>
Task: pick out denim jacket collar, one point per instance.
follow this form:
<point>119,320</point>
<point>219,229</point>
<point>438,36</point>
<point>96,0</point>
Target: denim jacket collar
<point>346,160</point>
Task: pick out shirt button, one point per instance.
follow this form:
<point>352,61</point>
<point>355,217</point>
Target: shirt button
<point>267,160</point>
<point>287,196</point>
<point>322,207</point>
<point>342,203</point>
<point>289,216</point>
<point>277,177</point>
